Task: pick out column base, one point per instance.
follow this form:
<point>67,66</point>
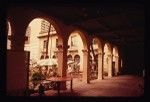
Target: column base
<point>100,78</point>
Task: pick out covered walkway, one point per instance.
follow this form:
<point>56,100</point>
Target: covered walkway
<point>120,86</point>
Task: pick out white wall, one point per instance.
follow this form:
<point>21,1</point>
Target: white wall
<point>33,47</point>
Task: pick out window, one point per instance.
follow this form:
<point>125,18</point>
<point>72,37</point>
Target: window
<point>77,58</point>
<point>56,42</point>
<point>54,56</point>
<point>69,57</point>
<point>42,57</point>
<point>44,26</point>
<point>44,44</point>
<point>46,57</point>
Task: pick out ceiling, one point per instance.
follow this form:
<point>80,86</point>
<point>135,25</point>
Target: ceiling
<point>119,23</point>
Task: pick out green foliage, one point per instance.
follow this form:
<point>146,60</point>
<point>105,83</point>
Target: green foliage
<point>37,76</point>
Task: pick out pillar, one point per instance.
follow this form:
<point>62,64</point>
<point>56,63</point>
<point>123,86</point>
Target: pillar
<point>65,66</point>
<point>119,65</point>
<point>17,73</point>
<point>109,65</point>
<point>62,63</point>
<point>100,66</point>
<point>105,63</point>
<point>60,60</point>
<point>116,65</point>
<point>86,70</point>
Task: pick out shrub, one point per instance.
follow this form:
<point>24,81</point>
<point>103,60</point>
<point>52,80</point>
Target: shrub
<point>36,77</point>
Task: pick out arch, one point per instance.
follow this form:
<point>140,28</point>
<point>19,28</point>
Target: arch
<point>69,57</point>
<point>83,36</point>
<point>96,63</point>
<point>83,52</point>
<point>39,50</point>
<point>107,64</point>
<point>98,41</point>
<point>115,59</point>
<point>107,47</point>
<point>28,18</point>
<point>54,56</point>
<point>9,33</point>
<point>26,13</point>
<point>53,22</point>
<point>77,58</point>
<point>42,57</point>
<point>115,51</point>
<point>39,21</point>
<point>55,25</point>
<point>9,27</point>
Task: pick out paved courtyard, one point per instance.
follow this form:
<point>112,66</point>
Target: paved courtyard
<point>120,86</point>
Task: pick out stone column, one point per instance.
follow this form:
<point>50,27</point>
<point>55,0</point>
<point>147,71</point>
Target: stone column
<point>65,66</point>
<point>119,65</point>
<point>120,61</point>
<point>60,60</point>
<point>109,65</point>
<point>116,65</point>
<point>17,73</point>
<point>100,66</point>
<point>62,63</point>
<point>85,67</point>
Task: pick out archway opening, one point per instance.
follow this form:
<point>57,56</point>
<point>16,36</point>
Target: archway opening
<point>107,58</point>
<point>42,42</point>
<point>95,50</point>
<point>115,63</point>
<point>77,44</point>
<point>69,58</point>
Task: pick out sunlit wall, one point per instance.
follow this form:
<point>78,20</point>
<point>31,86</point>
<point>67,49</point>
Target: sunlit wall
<point>75,47</point>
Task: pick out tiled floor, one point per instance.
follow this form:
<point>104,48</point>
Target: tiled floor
<point>124,85</point>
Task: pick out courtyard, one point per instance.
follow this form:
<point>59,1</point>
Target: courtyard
<point>120,86</point>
